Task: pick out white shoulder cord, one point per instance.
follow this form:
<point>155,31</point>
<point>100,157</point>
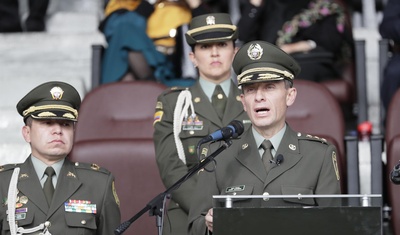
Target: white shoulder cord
<point>11,202</point>
<point>181,111</point>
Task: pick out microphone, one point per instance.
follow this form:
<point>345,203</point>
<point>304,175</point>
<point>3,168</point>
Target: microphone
<point>233,130</point>
<point>395,174</point>
<point>278,161</point>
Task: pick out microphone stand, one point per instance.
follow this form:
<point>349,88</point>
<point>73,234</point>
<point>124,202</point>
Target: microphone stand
<point>155,206</point>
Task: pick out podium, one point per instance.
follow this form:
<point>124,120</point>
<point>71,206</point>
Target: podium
<point>344,219</point>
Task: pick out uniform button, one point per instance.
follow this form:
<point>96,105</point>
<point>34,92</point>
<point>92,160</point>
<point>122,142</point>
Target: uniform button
<point>299,196</point>
<point>191,132</point>
<point>47,224</point>
<point>83,222</point>
<point>177,204</point>
<point>234,193</point>
<point>266,194</point>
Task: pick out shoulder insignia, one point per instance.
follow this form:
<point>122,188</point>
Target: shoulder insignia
<point>8,167</point>
<point>91,166</point>
<point>312,138</point>
<point>335,165</point>
<point>173,90</point>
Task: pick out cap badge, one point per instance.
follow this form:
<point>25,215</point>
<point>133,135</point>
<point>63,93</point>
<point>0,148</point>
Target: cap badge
<point>210,20</point>
<point>56,93</point>
<point>255,51</point>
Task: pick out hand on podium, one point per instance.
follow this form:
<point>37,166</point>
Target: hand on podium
<point>209,220</point>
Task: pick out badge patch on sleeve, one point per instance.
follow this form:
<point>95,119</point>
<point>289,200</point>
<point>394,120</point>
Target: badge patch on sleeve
<point>157,117</point>
<point>335,165</point>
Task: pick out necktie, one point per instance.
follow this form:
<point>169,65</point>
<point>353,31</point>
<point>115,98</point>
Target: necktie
<point>48,187</point>
<point>219,101</point>
<point>267,156</point>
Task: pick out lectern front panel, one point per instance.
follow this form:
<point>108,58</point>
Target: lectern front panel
<point>297,220</point>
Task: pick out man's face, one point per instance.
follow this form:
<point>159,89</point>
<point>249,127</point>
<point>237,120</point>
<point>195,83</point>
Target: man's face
<point>214,60</point>
<point>50,140</point>
<point>266,104</point>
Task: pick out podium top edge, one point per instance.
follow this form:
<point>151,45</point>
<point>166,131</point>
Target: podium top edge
<point>298,196</point>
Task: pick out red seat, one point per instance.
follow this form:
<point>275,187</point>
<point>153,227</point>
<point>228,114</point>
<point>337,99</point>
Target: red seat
<point>118,110</point>
<point>317,112</point>
<point>115,131</point>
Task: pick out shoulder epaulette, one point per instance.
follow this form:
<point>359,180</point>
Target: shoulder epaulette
<point>91,166</point>
<point>173,90</point>
<point>8,167</point>
<point>312,138</point>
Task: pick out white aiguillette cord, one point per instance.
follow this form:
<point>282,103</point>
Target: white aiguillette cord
<point>181,108</point>
<point>11,202</point>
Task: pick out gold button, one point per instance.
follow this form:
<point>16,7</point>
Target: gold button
<point>83,222</point>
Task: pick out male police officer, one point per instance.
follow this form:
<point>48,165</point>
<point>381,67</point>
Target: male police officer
<point>186,115</point>
<point>48,194</point>
<point>270,158</point>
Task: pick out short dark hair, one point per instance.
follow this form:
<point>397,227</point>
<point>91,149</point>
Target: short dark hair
<point>28,121</point>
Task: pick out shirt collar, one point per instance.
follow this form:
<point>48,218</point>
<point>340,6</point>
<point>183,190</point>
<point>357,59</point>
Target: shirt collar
<point>40,166</point>
<point>209,87</point>
<point>275,140</point>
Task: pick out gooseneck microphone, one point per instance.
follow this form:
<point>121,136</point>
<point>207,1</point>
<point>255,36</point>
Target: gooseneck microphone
<point>233,130</point>
<point>278,161</point>
<point>395,174</point>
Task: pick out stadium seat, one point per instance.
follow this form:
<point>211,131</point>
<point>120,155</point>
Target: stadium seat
<point>120,110</point>
<point>115,131</point>
<point>392,137</point>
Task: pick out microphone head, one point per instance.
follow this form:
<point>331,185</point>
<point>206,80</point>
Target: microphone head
<point>238,128</point>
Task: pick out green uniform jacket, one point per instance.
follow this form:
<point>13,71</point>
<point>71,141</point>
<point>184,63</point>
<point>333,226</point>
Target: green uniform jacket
<point>75,182</point>
<point>309,167</point>
<point>170,166</point>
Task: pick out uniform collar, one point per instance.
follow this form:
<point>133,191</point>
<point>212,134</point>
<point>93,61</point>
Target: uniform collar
<point>209,87</point>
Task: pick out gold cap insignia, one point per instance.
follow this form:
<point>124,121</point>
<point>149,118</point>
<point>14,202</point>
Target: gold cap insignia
<point>210,20</point>
<point>255,51</point>
<point>56,93</point>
